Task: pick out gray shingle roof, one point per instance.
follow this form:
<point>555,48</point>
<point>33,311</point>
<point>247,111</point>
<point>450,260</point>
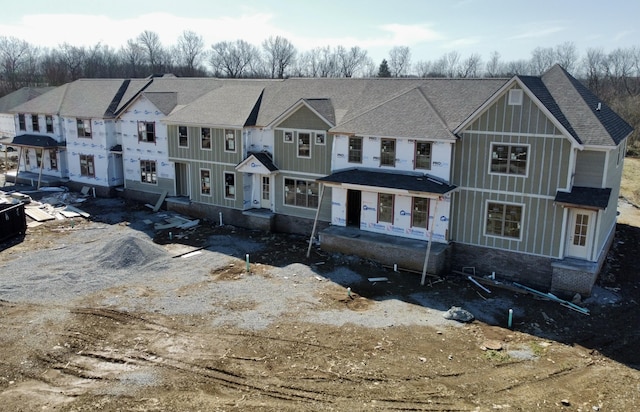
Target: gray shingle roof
<point>392,180</point>
<point>592,120</point>
<point>231,104</point>
<point>21,96</point>
<point>585,197</point>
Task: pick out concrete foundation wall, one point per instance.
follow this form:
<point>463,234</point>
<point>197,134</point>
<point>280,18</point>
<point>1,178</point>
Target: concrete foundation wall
<point>534,271</point>
<point>406,253</point>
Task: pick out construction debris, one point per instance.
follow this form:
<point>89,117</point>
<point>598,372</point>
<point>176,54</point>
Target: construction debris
<point>176,222</point>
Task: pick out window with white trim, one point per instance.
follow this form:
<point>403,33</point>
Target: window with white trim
<point>304,144</point>
<point>287,136</point>
<point>205,138</point>
<point>229,185</point>
<point>504,220</point>
<point>148,173</point>
<point>183,136</point>
<point>229,140</point>
<point>22,124</point>
<point>509,159</point>
<point>301,193</point>
<point>320,139</point>
<point>205,182</point>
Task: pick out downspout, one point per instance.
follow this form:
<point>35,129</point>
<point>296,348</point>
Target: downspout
<point>315,221</point>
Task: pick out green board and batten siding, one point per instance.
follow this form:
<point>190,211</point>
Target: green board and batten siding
<point>215,159</point>
<point>286,154</point>
<point>294,167</point>
<point>548,170</point>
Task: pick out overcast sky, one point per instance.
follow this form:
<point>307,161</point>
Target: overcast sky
<point>429,28</point>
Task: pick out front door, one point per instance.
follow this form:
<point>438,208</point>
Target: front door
<point>265,192</point>
<point>580,233</point>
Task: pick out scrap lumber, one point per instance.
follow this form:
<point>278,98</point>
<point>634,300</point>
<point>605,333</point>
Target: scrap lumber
<point>158,204</point>
<point>37,214</point>
<point>82,213</point>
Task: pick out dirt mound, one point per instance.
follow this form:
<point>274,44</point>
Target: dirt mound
<point>129,252</point>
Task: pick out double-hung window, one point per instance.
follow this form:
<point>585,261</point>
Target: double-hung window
<point>229,140</point>
<point>87,166</point>
<point>229,185</point>
<point>504,220</point>
<point>385,207</point>
<point>355,149</point>
<point>304,144</point>
<point>205,182</point>
<point>183,136</point>
<point>205,138</point>
<point>148,172</point>
<point>147,132</point>
<point>84,127</point>
<point>509,159</point>
<point>423,155</point>
<point>420,213</point>
<point>388,152</point>
<point>22,124</point>
<point>48,120</point>
<point>35,124</point>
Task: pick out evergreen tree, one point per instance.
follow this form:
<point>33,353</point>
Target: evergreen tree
<point>383,71</point>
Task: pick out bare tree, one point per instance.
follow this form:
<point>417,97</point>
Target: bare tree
<point>423,68</point>
<point>449,63</point>
<point>567,56</point>
<point>542,58</point>
<point>133,57</point>
<point>350,61</point>
<point>326,63</point>
<point>15,55</point>
<point>593,64</point>
<point>493,67</point>
<point>190,50</point>
<point>279,55</point>
<point>150,43</point>
<point>618,69</point>
<point>73,58</point>
<point>400,61</point>
<point>233,59</point>
<point>470,67</point>
<point>517,67</point>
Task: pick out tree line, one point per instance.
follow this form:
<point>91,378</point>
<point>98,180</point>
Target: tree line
<point>613,76</point>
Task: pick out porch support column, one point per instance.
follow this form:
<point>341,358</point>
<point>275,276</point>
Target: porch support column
<point>426,256</point>
<point>41,166</point>
<point>315,221</point>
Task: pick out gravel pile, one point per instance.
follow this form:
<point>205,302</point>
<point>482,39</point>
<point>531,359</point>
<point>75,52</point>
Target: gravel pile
<point>121,268</point>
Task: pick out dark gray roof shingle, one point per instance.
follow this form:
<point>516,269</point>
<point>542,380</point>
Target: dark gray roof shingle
<point>391,180</point>
<point>585,197</point>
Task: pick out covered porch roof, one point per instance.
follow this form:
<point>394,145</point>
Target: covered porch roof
<point>35,140</point>
<point>585,197</point>
<point>411,183</point>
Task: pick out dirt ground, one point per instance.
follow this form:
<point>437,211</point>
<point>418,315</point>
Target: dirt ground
<point>84,355</point>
